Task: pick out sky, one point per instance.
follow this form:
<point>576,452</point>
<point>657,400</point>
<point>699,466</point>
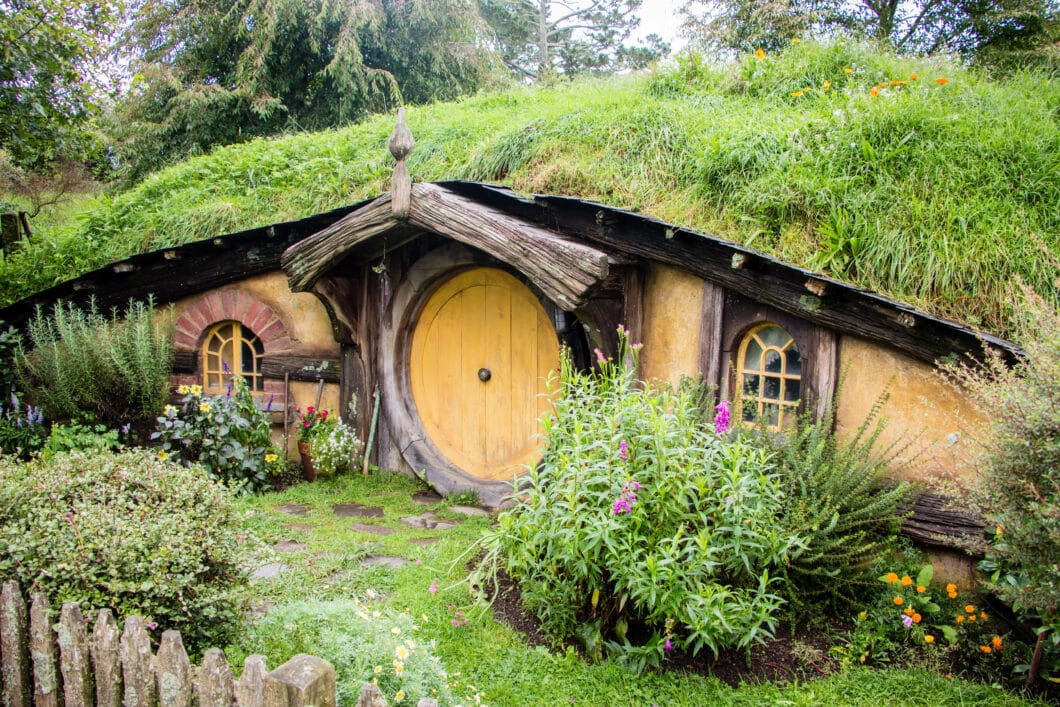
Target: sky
<point>663,18</point>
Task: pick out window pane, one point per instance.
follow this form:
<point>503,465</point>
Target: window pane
<point>771,413</point>
<point>774,336</point>
<point>794,361</point>
<point>248,359</point>
<point>791,390</point>
<point>753,356</point>
<point>750,385</point>
<point>774,361</point>
<point>750,410</point>
<point>770,388</point>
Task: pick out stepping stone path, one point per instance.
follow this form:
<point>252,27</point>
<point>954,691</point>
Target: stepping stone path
<point>426,498</point>
<point>470,511</point>
<point>356,510</point>
<point>299,527</point>
<point>294,509</point>
<point>373,529</point>
<point>388,561</point>
<point>288,546</point>
<point>427,521</point>
<point>271,570</point>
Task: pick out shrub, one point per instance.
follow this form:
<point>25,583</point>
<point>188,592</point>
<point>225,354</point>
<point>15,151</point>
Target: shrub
<point>115,368</point>
<point>127,532</point>
<point>81,435</point>
<point>227,434</point>
<point>384,648</point>
<point>22,428</point>
<point>1018,489</point>
<point>639,514</point>
<point>334,447</point>
<point>835,496</point>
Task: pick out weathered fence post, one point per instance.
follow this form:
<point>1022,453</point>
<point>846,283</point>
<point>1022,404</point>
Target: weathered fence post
<point>74,659</point>
<point>106,657</point>
<point>371,696</point>
<point>14,648</point>
<point>213,687</point>
<point>42,653</point>
<point>173,672</point>
<point>309,681</point>
<point>137,671</point>
<point>250,688</point>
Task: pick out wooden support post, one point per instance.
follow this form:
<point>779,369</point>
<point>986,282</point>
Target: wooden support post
<point>307,680</point>
<point>106,657</point>
<point>173,672</point>
<point>401,143</point>
<point>42,653</point>
<point>14,644</point>
<point>137,673</point>
<point>74,660</point>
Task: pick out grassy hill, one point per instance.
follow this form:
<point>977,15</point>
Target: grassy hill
<point>918,178</point>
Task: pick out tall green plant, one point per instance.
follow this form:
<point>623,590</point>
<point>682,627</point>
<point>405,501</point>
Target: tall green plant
<point>115,369</point>
<point>640,514</point>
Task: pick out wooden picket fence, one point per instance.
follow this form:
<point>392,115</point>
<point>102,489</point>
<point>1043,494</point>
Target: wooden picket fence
<point>53,665</point>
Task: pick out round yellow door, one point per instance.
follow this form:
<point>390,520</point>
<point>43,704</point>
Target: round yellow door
<point>482,352</point>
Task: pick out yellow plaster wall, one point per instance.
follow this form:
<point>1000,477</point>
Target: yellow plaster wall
<point>672,303</point>
<point>938,421</point>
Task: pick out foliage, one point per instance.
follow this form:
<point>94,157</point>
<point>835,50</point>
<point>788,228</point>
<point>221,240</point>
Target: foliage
<point>10,343</point>
<point>914,620</point>
<point>943,185</point>
<point>334,447</point>
<point>577,37</point>
<point>48,86</point>
<point>80,435</point>
<point>115,369</point>
<point>1019,483</point>
<point>638,514</point>
<point>218,72</point>
<point>972,27</point>
<point>227,434</point>
<point>311,422</point>
<point>836,498</point>
<point>386,648</point>
<point>126,532</point>
<point>22,428</point>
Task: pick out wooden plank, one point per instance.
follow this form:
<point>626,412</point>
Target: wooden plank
<point>74,659</point>
<point>42,650</point>
<point>138,674</point>
<point>106,658</point>
<point>213,685</point>
<point>472,393</point>
<point>711,323</point>
<point>14,648</point>
<point>497,354</point>
<point>173,672</point>
<point>301,367</point>
<point>250,688</point>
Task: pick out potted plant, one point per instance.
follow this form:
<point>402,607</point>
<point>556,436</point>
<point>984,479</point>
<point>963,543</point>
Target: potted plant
<point>310,424</point>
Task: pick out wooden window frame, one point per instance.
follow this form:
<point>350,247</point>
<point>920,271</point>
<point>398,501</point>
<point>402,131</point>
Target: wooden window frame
<point>215,368</point>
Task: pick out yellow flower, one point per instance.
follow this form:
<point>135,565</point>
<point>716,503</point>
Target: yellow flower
<point>270,458</point>
<point>204,407</point>
<point>183,389</point>
<point>929,638</point>
<point>760,54</point>
<point>907,581</point>
<point>162,456</point>
<point>796,94</point>
<point>847,70</point>
<point>196,390</point>
<point>898,601</point>
<point>996,641</point>
<point>942,81</point>
<point>169,411</point>
<point>401,652</point>
<point>827,85</point>
<point>395,630</point>
<point>892,577</point>
<point>377,669</point>
<point>795,40</point>
<point>399,696</point>
<point>874,91</point>
<point>970,609</point>
<point>1000,530</point>
<point>862,615</point>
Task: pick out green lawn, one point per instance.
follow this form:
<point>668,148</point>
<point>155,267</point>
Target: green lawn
<point>484,653</point>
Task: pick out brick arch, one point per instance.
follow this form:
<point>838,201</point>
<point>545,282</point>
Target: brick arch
<point>230,305</point>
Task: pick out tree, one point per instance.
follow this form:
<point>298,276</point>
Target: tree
<point>541,38</point>
<point>212,72</point>
<point>971,27</point>
<point>48,90</point>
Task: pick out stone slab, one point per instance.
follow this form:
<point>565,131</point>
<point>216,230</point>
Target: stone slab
<point>294,509</point>
<point>271,570</point>
<point>373,529</point>
<point>427,523</point>
<point>470,511</point>
<point>289,546</point>
<point>357,510</point>
<point>388,561</point>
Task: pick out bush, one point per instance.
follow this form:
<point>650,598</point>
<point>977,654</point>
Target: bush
<point>79,436</point>
<point>334,447</point>
<point>22,428</point>
<point>835,496</point>
<point>115,369</point>
<point>642,525</point>
<point>227,434</point>
<point>384,648</point>
<point>1018,489</point>
<point>126,532</point>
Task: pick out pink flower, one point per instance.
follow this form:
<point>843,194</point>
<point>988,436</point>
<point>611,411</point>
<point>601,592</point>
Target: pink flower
<point>668,646</point>
<point>433,589</point>
<point>907,621</point>
<point>600,358</point>
<point>722,419</point>
<point>623,451</point>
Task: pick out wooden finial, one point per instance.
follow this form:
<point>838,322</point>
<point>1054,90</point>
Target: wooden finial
<point>401,143</point>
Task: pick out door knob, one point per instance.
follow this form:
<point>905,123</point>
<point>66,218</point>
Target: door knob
<point>484,374</point>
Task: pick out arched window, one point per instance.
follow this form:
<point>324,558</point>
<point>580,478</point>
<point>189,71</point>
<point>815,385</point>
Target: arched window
<point>231,349</point>
<point>769,371</point>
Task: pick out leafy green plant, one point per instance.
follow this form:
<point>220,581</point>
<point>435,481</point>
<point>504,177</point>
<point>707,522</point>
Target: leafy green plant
<point>22,427</point>
<point>227,434</point>
<point>80,435</point>
<point>837,499</point>
<point>114,368</point>
<point>128,532</point>
<point>10,343</point>
<point>642,530</point>
<point>333,446</point>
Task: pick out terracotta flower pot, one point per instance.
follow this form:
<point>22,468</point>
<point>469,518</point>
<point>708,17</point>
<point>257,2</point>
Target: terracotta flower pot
<point>307,461</point>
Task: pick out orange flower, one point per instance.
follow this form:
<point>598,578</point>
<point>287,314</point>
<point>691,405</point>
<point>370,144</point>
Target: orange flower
<point>917,618</point>
<point>942,81</point>
<point>953,595</point>
<point>862,615</point>
<point>896,82</point>
<point>948,676</point>
<point>892,577</point>
<point>951,588</point>
<point>898,601</point>
<point>986,649</point>
<point>914,77</point>
<point>909,611</point>
<point>907,581</point>
<point>972,617</point>
<point>970,609</point>
<point>960,619</point>
<point>874,91</point>
<point>996,641</point>
<point>929,638</point>
<point>983,616</point>
<point>760,54</point>
<point>920,589</point>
